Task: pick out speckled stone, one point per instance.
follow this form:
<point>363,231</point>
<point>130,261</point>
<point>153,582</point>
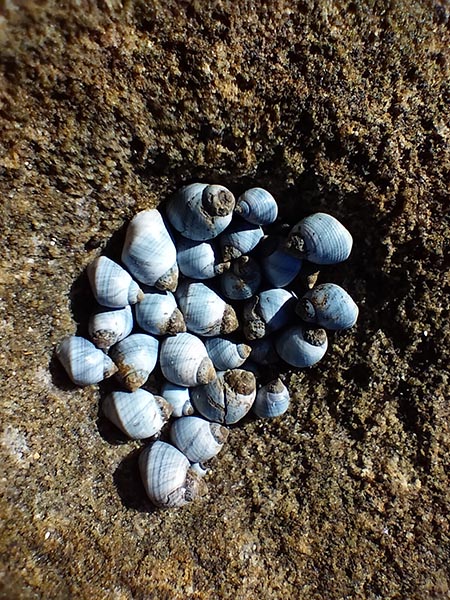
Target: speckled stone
<point>332,106</point>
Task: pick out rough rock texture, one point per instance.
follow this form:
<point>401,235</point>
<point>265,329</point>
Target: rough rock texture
<point>338,106</point>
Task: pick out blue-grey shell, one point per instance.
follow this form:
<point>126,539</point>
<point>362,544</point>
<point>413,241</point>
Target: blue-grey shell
<point>135,357</point>
<point>257,206</point>
<point>278,266</point>
<point>184,360</point>
<point>272,400</point>
<point>226,354</point>
<point>329,306</point>
<point>240,238</point>
<point>108,326</point>
<point>269,311</point>
<point>197,439</point>
<point>178,397</point>
<point>158,313</point>
<point>243,280</point>
<point>199,260</point>
<point>263,351</point>
<point>111,285</point>
<point>321,239</point>
<point>84,363</point>
<point>301,346</point>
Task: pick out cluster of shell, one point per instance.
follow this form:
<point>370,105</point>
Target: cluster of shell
<point>189,328</point>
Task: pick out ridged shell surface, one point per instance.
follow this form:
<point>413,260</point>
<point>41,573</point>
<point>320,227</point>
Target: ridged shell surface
<point>321,239</point>
<point>199,260</point>
<point>197,439</point>
<point>226,354</point>
<point>257,206</point>
<point>300,346</point>
<point>135,357</point>
<point>329,306</point>
<point>158,313</point>
<point>84,363</point>
<point>149,252</point>
<point>201,212</point>
<point>138,414</point>
<point>272,400</point>
<point>243,280</point>
<point>108,326</point>
<point>185,361</point>
<point>168,479</point>
<point>111,285</point>
<point>204,311</point>
<point>269,311</point>
<point>178,397</point>
<point>240,238</point>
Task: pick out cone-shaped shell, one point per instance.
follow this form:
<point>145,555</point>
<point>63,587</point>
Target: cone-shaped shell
<point>178,397</point>
<point>108,326</point>
<point>257,206</point>
<point>199,260</point>
<point>135,357</point>
<point>269,311</point>
<point>197,439</point>
<point>329,306</point>
<point>278,266</point>
<point>243,280</point>
<point>204,311</point>
<point>158,313</point>
<point>138,414</point>
<point>272,400</point>
<point>321,239</point>
<point>111,285</point>
<point>240,238</point>
<point>168,479</point>
<point>228,398</point>
<point>200,211</point>
<point>84,363</point>
<point>226,354</point>
<point>185,361</point>
<point>300,346</point>
<point>149,252</point>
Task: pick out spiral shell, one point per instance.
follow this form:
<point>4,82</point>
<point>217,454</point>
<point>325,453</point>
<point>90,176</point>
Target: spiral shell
<point>257,206</point>
<point>269,311</point>
<point>111,285</point>
<point>158,313</point>
<point>149,252</point>
<point>178,397</point>
<point>226,354</point>
<point>243,280</point>
<point>108,326</point>
<point>185,361</point>
<point>240,238</point>
<point>300,346</point>
<point>199,260</point>
<point>84,363</point>
<point>278,266</point>
<point>197,439</point>
<point>272,400</point>
<point>135,357</point>
<point>329,306</point>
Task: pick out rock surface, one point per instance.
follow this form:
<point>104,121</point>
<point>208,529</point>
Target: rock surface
<point>333,106</point>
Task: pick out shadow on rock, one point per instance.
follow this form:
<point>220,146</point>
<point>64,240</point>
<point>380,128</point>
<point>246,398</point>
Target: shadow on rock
<point>130,488</point>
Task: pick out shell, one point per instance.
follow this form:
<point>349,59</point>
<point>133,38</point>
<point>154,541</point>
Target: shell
<point>111,285</point>
<point>184,360</point>
<point>84,363</point>
<point>272,400</point>
<point>168,479</point>
<point>135,357</point>
<point>269,311</point>
<point>178,398</point>
<point>149,252</point>
<point>108,326</point>
<point>138,414</point>
<point>321,239</point>
<point>200,211</point>
<point>278,266</point>
<point>329,306</point>
<point>197,439</point>
<point>257,206</point>
<point>263,351</point>
<point>226,354</point>
<point>300,346</point>
<point>158,313</point>
<point>228,398</point>
<point>243,280</point>
<point>199,260</point>
<point>240,238</point>
<point>204,311</point>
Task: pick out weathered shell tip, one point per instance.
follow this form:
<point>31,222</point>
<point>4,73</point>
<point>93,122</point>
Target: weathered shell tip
<point>229,321</point>
<point>205,371</point>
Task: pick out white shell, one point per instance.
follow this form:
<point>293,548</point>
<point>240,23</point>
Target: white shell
<point>300,346</point>
<point>198,440</point>
<point>111,285</point>
<point>138,414</point>
<point>226,354</point>
<point>158,313</point>
<point>258,206</point>
<point>108,326</point>
<point>168,479</point>
<point>272,400</point>
<point>184,360</point>
<point>135,357</point>
<point>199,260</point>
<point>178,397</point>
<point>329,306</point>
<point>149,252</point>
<point>84,363</point>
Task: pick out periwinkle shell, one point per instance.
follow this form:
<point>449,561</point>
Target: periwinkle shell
<point>135,357</point>
<point>199,260</point>
<point>197,439</point>
<point>167,476</point>
<point>226,354</point>
<point>158,313</point>
<point>243,280</point>
<point>178,397</point>
<point>240,238</point>
<point>301,346</point>
<point>278,266</point>
<point>84,363</point>
<point>184,360</point>
<point>149,252</point>
<point>257,206</point>
<point>108,326</point>
<point>269,311</point>
<point>329,306</point>
<point>111,285</point>
<point>272,400</point>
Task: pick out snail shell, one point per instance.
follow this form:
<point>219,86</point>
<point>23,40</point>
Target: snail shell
<point>278,266</point>
<point>226,354</point>
<point>138,414</point>
<point>204,311</point>
<point>243,280</point>
<point>83,362</point>
<point>272,400</point>
<point>226,399</point>
<point>197,439</point>
<point>135,357</point>
<point>200,211</point>
<point>167,476</point>
<point>149,252</point>
<point>300,346</point>
<point>321,239</point>
<point>108,326</point>
<point>199,260</point>
<point>269,311</point>
<point>111,285</point>
<point>240,238</point>
<point>185,361</point>
<point>263,351</point>
<point>257,206</point>
<point>178,397</point>
<point>328,305</point>
<point>158,313</point>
